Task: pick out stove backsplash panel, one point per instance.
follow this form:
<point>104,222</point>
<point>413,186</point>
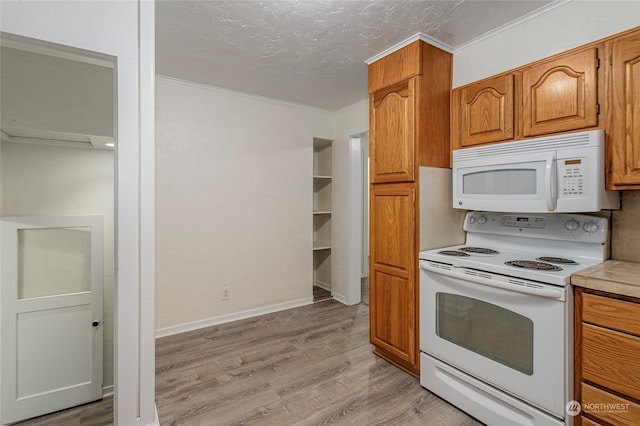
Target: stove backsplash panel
<point>625,228</point>
<point>440,224</point>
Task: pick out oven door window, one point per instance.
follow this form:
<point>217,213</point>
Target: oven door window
<point>486,329</point>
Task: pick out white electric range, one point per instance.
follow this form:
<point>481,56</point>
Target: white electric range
<point>496,314</point>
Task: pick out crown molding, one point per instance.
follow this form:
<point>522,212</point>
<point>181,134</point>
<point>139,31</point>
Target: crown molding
<point>529,16</point>
<point>419,36</point>
<point>451,49</point>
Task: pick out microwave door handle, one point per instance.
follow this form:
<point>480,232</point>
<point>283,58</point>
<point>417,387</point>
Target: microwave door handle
<point>550,182</point>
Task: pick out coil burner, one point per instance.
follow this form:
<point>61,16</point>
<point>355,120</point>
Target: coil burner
<point>479,250</point>
<point>532,264</point>
<point>453,253</point>
<point>557,260</point>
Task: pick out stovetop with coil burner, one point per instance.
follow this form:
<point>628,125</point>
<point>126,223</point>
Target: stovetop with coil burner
<point>545,248</point>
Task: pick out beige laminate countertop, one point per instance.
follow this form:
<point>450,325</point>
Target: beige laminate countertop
<point>613,276</point>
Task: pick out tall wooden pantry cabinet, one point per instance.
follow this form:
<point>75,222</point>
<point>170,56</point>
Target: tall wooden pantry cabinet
<point>409,100</point>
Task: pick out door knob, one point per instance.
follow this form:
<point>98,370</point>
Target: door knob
<point>95,323</point>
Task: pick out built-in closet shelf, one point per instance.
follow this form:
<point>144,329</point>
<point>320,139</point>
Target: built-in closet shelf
<point>322,204</point>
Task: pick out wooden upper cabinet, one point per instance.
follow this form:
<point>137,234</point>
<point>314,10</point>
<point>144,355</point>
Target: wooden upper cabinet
<point>392,133</point>
<point>561,95</point>
<point>624,122</point>
<point>485,112</point>
<point>398,66</point>
<point>409,108</point>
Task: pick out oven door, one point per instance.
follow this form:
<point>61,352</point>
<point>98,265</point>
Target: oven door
<point>510,336</point>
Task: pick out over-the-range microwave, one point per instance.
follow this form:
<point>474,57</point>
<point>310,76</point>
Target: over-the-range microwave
<point>560,173</point>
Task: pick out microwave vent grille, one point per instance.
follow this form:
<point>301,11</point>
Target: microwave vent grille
<point>568,141</point>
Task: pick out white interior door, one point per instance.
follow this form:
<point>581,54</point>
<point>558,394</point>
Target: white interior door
<point>52,277</point>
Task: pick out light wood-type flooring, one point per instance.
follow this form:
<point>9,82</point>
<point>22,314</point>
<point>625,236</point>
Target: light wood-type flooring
<point>306,366</point>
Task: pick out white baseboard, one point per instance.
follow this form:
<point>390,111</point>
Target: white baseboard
<point>322,285</point>
<point>156,421</point>
<point>339,298</point>
<point>208,322</point>
<point>107,391</point>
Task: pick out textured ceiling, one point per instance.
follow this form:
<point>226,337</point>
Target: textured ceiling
<point>309,52</point>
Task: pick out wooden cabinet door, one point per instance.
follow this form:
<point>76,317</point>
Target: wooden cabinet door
<point>392,138</point>
<point>486,111</point>
<point>561,95</point>
<point>393,314</point>
<point>624,128</point>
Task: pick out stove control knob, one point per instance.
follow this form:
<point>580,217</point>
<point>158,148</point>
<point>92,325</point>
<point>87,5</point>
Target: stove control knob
<point>482,220</point>
<point>591,227</point>
<point>571,225</point>
<point>472,220</point>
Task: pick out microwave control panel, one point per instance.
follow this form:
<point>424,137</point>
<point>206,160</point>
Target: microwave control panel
<point>572,173</point>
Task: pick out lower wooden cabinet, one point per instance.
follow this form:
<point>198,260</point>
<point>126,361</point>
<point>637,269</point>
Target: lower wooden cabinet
<point>608,407</point>
<point>393,287</point>
<point>607,358</point>
<point>393,324</point>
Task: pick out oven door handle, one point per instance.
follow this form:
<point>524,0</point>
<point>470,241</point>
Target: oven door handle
<point>534,291</point>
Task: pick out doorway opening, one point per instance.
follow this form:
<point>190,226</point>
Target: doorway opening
<point>57,176</point>
<point>358,218</point>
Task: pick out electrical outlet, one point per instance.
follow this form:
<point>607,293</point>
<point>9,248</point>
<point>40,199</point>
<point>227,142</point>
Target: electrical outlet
<point>226,293</point>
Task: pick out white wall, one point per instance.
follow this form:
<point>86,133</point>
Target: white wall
<point>101,22</point>
<point>567,26</point>
<point>233,202</point>
<point>349,121</point>
<point>44,180</point>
